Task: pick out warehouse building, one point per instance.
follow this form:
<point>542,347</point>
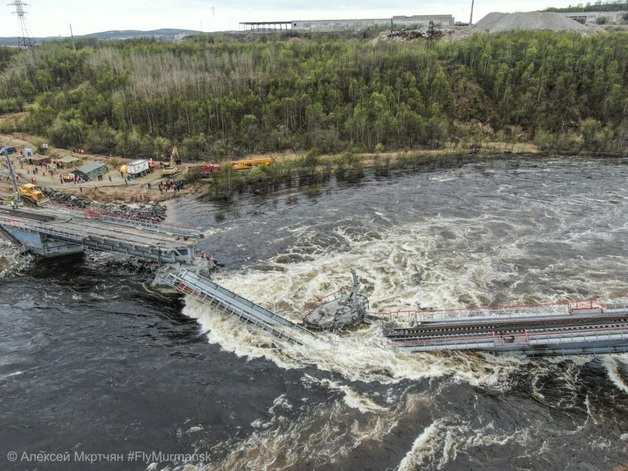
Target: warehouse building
<point>396,22</point>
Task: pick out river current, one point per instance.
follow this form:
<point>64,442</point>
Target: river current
<point>93,366</point>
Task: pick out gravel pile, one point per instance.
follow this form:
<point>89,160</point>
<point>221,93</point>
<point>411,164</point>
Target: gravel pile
<point>143,211</point>
<point>502,22</point>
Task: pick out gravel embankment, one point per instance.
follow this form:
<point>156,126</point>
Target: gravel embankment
<point>502,22</point>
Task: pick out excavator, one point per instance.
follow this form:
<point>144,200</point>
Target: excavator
<point>171,169</point>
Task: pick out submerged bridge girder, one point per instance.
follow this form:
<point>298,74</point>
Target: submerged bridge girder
<point>205,290</point>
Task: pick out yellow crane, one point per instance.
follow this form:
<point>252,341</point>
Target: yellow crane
<point>250,163</point>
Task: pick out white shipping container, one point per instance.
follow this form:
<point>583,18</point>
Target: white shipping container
<point>137,167</point>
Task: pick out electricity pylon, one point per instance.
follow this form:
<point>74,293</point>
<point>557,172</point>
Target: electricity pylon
<point>24,39</point>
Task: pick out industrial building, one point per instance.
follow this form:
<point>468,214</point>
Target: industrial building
<point>591,17</point>
<point>415,21</point>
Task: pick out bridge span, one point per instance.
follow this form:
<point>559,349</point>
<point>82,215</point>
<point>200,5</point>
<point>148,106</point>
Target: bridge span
<point>581,327</point>
<point>205,290</point>
<point>566,329</point>
<point>58,231</point>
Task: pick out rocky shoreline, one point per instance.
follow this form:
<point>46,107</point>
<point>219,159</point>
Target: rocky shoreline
<point>12,261</point>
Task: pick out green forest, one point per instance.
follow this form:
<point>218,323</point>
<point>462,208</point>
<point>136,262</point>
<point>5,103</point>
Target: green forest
<point>218,96</point>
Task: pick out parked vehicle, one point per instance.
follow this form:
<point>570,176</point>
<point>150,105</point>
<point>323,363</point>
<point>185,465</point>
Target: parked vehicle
<point>33,194</point>
<point>250,163</point>
<point>138,168</point>
<point>206,171</point>
<point>171,168</point>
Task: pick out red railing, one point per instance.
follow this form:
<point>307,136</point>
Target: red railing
<point>585,305</point>
<point>470,309</point>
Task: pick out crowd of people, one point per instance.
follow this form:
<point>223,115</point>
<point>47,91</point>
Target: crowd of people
<point>169,184</point>
<point>31,171</point>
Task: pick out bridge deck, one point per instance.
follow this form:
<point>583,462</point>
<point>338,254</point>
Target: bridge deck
<point>154,242</point>
<point>592,331</point>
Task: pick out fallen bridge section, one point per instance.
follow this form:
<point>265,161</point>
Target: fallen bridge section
<point>206,291</point>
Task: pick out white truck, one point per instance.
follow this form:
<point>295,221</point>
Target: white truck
<point>137,168</point>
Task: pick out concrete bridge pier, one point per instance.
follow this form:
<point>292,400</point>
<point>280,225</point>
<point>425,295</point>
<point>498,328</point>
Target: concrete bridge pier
<point>39,243</point>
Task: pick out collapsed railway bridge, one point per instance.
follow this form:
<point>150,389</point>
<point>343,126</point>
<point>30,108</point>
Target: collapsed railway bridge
<point>592,327</point>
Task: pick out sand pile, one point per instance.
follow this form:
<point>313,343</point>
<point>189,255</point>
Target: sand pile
<point>502,22</point>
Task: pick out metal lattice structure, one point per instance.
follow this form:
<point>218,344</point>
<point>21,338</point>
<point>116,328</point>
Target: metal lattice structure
<point>245,311</point>
<point>24,39</point>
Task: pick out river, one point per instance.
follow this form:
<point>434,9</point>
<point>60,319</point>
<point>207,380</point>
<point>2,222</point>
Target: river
<point>98,371</point>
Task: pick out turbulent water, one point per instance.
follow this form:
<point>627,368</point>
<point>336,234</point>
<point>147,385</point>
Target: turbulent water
<point>93,363</point>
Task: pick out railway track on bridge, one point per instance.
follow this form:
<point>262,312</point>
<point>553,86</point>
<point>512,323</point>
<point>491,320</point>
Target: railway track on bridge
<point>27,215</point>
<point>572,328</point>
<point>503,327</point>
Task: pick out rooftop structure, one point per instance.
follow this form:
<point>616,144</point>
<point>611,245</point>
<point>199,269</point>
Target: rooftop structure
<point>417,21</point>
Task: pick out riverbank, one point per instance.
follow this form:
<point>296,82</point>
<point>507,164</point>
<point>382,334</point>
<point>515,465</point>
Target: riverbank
<point>146,189</point>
